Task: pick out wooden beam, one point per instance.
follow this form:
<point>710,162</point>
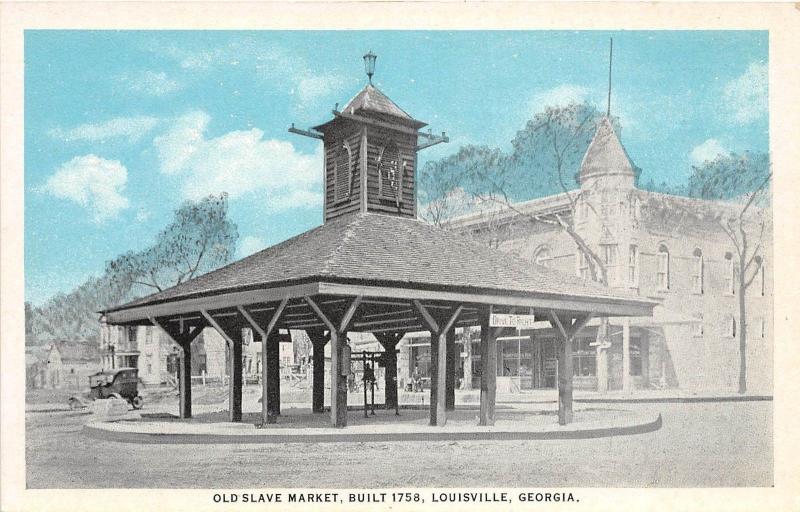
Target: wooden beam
<point>557,323</point>
<point>374,122</point>
<point>348,315</point>
<point>306,133</point>
<point>599,306</point>
<point>427,317</point>
<point>320,314</point>
<point>225,300</point>
<point>579,324</point>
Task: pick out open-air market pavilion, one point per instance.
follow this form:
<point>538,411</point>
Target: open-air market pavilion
<point>373,267</point>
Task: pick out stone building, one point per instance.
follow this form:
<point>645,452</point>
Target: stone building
<point>655,246</point>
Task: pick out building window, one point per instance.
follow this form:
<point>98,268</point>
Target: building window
<point>697,271</point>
<point>635,353</point>
<point>132,330</point>
<point>148,335</point>
<point>762,282</point>
<point>609,255</point>
<point>584,362</point>
<point>583,265</point>
<point>730,274</point>
<point>389,171</point>
<point>729,327</point>
<point>343,172</point>
<point>607,204</point>
<point>662,273</point>
<point>542,256</point>
<point>697,327</point>
<point>633,265</point>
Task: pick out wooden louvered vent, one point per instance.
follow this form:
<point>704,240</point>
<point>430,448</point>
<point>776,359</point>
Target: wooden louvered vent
<point>343,173</point>
<point>390,173</point>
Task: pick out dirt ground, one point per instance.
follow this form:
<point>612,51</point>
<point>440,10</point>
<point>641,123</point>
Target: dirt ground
<point>700,445</point>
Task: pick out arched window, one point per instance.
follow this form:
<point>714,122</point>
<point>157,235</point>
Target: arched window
<point>389,171</point>
<point>697,271</point>
<point>343,175</point>
<point>728,326</point>
<point>730,274</point>
<point>662,272</point>
<point>761,278</point>
<point>543,256</point>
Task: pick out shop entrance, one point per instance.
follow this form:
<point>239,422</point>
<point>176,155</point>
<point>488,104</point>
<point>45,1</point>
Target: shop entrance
<point>525,364</point>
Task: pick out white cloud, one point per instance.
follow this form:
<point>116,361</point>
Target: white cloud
<point>151,83</point>
<point>250,245</point>
<point>131,128</point>
<point>708,150</point>
<point>560,95</point>
<point>95,183</point>
<point>238,162</point>
<point>270,63</point>
<point>143,215</point>
<point>746,97</point>
<point>312,88</point>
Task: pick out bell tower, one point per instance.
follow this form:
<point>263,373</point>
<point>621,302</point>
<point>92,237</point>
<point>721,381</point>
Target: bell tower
<point>370,149</point>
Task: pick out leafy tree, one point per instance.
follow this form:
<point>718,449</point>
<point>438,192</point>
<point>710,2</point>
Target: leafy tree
<point>199,239</point>
<point>742,180</point>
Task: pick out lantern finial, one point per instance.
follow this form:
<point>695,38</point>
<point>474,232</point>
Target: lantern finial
<point>369,65</point>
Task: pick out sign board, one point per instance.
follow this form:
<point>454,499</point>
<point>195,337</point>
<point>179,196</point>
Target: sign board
<point>516,321</point>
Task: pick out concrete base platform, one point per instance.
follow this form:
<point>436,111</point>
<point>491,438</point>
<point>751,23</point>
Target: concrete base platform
<point>302,426</point>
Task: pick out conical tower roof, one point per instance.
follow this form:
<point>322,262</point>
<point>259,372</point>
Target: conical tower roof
<point>605,154</point>
<point>371,102</point>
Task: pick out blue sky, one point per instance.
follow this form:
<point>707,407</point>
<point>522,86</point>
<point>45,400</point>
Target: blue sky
<point>121,127</point>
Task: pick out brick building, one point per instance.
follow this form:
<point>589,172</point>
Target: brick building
<point>653,246</point>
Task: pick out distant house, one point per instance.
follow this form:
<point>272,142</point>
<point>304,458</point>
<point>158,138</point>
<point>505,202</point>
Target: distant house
<point>61,364</point>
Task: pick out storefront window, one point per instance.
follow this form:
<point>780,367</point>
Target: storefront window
<point>584,363</point>
<point>636,357</point>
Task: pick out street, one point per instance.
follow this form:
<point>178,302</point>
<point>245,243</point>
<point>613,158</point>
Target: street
<point>720,444</point>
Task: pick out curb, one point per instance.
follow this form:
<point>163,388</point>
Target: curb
<point>432,435</point>
<point>675,400</point>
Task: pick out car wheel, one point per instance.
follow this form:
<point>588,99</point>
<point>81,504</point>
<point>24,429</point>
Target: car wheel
<point>137,402</point>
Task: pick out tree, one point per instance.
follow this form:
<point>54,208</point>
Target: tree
<point>199,239</point>
<point>546,156</point>
<point>742,181</point>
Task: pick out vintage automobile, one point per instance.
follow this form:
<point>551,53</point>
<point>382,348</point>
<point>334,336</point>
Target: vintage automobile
<point>121,383</point>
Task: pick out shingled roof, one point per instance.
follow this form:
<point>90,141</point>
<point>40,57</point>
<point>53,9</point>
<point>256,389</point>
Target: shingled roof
<point>370,247</point>
<point>605,153</point>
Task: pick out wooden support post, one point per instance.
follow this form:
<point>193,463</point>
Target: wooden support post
<point>183,338</point>
<point>318,341</point>
<point>232,334</point>
<point>389,341</point>
<point>264,334</point>
<point>450,380</point>
<point>186,381</point>
<point>273,374</point>
<point>339,372</point>
<point>236,377</point>
<point>563,324</point>
<point>438,329</point>
<point>488,371</point>
<point>626,355</point>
